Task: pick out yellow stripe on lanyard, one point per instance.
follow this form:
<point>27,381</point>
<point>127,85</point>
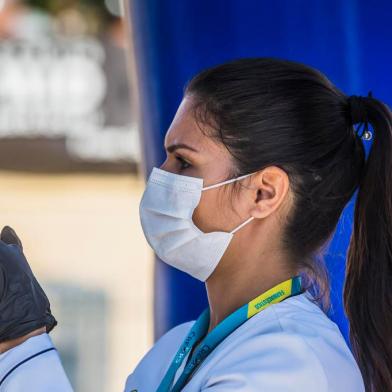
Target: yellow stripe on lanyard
<point>271,296</point>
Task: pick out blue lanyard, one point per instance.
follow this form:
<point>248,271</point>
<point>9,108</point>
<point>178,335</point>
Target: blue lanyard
<point>276,294</point>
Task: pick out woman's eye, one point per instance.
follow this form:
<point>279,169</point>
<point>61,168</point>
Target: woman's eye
<point>184,164</point>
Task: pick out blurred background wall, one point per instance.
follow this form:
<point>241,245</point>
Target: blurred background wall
<point>69,158</point>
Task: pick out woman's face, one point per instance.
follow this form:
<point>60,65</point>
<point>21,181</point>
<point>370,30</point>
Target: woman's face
<point>191,153</point>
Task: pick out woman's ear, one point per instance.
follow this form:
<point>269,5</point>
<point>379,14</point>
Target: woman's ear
<point>271,186</point>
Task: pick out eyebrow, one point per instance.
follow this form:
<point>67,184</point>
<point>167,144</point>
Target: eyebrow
<point>175,147</point>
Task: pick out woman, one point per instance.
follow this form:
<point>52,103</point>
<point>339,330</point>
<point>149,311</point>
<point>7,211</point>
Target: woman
<point>262,158</point>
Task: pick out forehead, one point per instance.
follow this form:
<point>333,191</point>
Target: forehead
<point>184,128</point>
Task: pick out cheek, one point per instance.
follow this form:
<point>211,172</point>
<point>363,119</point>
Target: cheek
<point>213,212</point>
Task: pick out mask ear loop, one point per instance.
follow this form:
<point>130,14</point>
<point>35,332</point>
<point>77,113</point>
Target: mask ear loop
<point>227,182</point>
<point>242,224</point>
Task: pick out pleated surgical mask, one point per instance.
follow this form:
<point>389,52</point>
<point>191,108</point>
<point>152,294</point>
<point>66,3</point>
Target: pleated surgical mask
<point>166,210</point>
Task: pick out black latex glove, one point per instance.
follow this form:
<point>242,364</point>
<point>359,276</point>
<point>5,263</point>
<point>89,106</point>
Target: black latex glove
<point>24,306</point>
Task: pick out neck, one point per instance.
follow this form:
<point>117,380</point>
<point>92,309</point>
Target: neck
<point>229,289</point>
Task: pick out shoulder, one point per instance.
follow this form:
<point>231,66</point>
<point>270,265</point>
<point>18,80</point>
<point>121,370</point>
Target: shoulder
<point>297,347</point>
<point>323,338</point>
<point>25,367</point>
<point>274,361</point>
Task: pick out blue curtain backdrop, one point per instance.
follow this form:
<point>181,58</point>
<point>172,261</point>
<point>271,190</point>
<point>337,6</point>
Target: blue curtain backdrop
<point>350,41</point>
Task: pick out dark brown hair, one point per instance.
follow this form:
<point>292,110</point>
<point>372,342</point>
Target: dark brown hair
<point>270,111</point>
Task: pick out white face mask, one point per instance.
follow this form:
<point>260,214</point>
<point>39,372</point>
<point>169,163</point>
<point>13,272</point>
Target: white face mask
<point>166,210</point>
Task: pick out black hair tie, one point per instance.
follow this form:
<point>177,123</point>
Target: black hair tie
<point>359,114</point>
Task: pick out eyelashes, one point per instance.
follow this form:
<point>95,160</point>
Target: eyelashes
<point>184,164</point>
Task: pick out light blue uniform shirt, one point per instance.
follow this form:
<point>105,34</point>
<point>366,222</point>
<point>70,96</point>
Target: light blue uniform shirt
<point>22,370</point>
<point>291,346</point>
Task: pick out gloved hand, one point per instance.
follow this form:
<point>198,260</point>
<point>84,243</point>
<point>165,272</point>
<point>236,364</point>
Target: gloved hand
<point>24,306</point>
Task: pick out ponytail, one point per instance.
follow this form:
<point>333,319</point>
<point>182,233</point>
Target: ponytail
<point>367,293</point>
